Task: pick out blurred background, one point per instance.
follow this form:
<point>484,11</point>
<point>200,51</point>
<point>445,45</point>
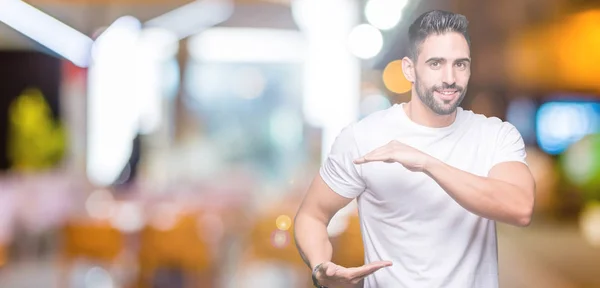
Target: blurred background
<point>169,143</point>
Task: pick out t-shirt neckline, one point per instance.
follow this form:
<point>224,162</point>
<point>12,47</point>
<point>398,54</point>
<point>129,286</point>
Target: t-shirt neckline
<point>405,119</point>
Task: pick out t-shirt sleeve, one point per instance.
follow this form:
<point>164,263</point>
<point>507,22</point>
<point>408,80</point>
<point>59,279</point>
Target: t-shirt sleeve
<point>510,146</point>
<point>338,170</point>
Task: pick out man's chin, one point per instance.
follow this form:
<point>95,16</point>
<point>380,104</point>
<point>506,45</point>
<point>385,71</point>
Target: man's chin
<point>443,108</point>
<point>445,112</point>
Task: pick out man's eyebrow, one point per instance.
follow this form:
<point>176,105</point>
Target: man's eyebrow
<point>435,59</point>
<point>462,60</point>
<point>443,60</point>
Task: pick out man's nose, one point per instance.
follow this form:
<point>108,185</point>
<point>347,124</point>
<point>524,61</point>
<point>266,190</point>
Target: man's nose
<point>449,76</point>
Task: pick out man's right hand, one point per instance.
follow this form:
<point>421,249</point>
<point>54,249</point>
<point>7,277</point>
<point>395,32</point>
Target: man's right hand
<point>333,275</point>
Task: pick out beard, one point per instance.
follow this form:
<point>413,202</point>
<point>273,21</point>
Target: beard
<point>440,107</point>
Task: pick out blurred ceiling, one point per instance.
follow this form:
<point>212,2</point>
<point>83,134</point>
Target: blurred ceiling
<point>489,18</point>
<point>87,16</point>
<point>494,25</point>
<point>84,17</point>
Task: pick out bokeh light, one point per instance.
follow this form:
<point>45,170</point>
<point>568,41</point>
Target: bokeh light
<point>384,14</point>
<point>567,65</point>
<point>589,223</point>
<point>280,239</point>
<point>393,78</point>
<point>128,218</point>
<point>283,222</point>
<point>560,124</point>
<point>365,41</point>
<point>165,216</point>
<point>581,164</point>
<point>98,278</point>
<point>100,204</point>
<point>578,57</point>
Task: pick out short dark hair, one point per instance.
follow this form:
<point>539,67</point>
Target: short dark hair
<point>435,22</point>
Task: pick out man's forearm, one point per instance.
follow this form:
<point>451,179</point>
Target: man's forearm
<point>483,196</point>
<point>312,240</point>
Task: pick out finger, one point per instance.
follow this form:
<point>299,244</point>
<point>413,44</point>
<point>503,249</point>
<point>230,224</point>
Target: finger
<point>365,270</point>
<point>379,154</point>
<point>384,155</point>
<point>378,150</point>
<point>380,263</point>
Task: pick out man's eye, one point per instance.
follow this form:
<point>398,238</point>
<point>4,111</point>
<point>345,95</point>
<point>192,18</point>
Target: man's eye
<point>435,64</point>
<point>461,65</point>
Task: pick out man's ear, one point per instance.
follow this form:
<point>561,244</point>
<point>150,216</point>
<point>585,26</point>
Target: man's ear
<point>408,68</point>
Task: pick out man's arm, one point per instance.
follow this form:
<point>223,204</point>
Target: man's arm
<point>506,195</point>
<point>337,183</point>
<point>310,224</point>
<point>312,240</point>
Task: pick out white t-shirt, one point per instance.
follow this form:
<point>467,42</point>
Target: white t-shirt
<point>406,217</point>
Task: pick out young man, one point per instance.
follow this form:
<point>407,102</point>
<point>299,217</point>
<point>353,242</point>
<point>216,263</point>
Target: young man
<point>431,178</point>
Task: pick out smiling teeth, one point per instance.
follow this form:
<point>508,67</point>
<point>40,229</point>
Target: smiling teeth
<point>448,92</point>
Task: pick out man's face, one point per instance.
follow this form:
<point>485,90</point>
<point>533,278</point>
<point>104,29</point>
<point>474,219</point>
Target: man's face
<point>442,72</point>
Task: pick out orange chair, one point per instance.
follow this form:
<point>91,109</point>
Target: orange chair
<point>92,240</point>
<point>3,255</point>
<point>181,247</point>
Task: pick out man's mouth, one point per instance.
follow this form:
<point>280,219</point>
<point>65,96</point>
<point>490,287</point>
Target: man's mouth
<point>447,94</point>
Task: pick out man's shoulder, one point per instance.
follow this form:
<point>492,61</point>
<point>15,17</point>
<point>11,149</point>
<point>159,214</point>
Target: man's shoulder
<point>485,123</point>
<point>369,127</point>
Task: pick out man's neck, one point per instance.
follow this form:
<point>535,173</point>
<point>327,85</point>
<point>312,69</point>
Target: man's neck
<point>423,115</point>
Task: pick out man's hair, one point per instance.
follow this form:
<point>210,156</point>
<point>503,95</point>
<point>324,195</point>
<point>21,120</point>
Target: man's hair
<point>435,22</point>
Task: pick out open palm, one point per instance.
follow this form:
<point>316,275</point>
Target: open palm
<point>332,275</point>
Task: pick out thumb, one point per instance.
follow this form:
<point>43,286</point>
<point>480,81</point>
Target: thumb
<point>329,269</point>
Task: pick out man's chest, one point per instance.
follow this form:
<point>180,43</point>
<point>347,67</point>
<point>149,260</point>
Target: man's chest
<point>401,191</point>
